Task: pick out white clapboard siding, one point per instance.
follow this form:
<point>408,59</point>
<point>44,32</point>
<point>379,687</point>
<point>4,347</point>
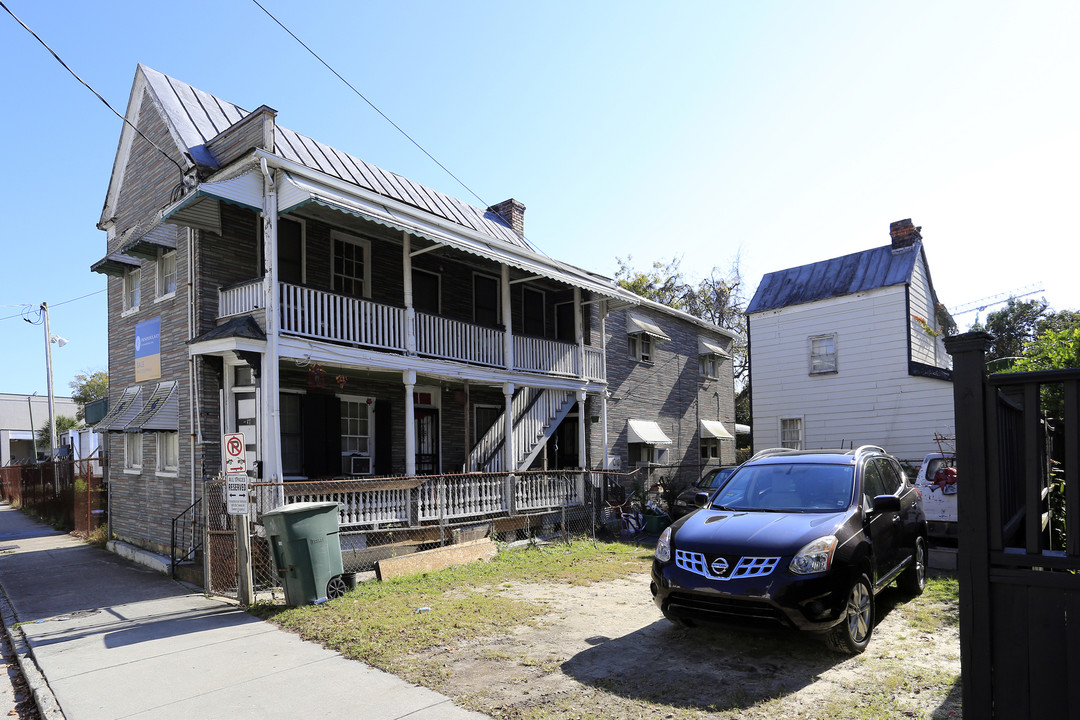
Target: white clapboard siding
<point>872,399</point>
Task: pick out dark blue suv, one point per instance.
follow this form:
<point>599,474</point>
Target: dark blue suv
<point>801,539</point>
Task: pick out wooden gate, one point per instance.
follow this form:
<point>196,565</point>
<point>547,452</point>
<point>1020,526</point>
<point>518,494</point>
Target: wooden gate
<point>1019,538</point>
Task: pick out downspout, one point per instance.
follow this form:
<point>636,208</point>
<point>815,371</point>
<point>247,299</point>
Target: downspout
<point>269,384</point>
<point>194,433</point>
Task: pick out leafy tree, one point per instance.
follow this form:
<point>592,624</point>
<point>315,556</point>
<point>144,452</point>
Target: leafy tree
<point>86,388</point>
<point>1013,327</point>
<point>717,298</point>
<point>63,422</point>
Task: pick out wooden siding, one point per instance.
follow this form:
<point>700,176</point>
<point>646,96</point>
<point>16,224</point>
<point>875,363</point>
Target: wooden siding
<point>143,504</point>
<point>871,399</point>
<point>925,348</point>
<point>149,177</point>
<point>670,391</point>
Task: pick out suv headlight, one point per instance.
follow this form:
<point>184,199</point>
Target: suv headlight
<point>815,557</point>
<point>663,546</point>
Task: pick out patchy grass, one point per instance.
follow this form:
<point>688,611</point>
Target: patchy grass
<point>384,623</point>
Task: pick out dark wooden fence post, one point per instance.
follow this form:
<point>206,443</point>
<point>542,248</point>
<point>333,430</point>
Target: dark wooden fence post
<point>970,397</point>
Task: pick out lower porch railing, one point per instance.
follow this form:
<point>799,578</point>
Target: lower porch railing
<point>395,502</point>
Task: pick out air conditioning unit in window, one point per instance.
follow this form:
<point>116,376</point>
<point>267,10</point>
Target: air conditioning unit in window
<point>359,465</point>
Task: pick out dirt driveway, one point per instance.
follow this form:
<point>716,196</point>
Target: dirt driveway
<point>605,651</point>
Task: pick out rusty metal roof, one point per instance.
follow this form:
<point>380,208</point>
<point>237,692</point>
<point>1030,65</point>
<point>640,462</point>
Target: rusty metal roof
<point>197,117</point>
<point>858,272</point>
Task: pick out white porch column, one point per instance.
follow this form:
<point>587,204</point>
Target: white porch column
<point>410,312</point>
<point>604,395</point>
<point>579,333</point>
<point>583,418</point>
<point>409,377</point>
<point>508,336</point>
<point>269,380</point>
<point>508,432</point>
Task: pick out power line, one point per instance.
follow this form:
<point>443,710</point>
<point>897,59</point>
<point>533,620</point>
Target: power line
<point>28,308</point>
<point>373,106</point>
<point>96,93</point>
<point>386,117</point>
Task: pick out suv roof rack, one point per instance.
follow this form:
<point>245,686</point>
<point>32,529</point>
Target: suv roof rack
<point>857,452</point>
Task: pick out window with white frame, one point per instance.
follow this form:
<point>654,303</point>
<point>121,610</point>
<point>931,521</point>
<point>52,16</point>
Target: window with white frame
<point>791,433</point>
<point>166,273</point>
<point>168,452</point>
<point>710,448</point>
<point>352,264</point>
<point>132,280</point>
<point>640,346</point>
<point>823,354</point>
<point>356,435</point>
<point>133,451</point>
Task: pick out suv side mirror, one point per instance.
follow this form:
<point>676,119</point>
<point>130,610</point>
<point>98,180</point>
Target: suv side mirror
<point>701,499</point>
<point>885,503</point>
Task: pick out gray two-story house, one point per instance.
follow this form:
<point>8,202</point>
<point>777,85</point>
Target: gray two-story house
<point>352,323</point>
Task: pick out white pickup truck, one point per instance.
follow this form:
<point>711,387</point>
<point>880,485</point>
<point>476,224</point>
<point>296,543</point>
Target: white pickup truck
<point>937,482</point>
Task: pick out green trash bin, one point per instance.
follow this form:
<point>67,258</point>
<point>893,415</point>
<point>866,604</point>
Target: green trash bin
<point>307,551</point>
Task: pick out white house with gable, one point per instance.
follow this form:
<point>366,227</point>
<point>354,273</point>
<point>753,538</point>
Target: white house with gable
<point>848,352</point>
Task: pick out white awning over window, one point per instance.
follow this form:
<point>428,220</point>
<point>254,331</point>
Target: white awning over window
<point>706,347</point>
<point>645,431</point>
<point>636,324</point>
<point>715,429</point>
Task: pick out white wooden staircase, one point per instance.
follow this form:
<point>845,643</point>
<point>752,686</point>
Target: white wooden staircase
<point>536,413</point>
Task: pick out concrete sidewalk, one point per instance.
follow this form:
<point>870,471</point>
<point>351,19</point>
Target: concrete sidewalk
<point>113,639</point>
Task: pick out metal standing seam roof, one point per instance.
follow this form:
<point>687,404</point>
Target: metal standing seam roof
<point>197,117</point>
<point>857,272</point>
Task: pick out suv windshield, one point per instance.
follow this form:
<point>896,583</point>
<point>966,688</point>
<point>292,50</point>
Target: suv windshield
<point>789,487</point>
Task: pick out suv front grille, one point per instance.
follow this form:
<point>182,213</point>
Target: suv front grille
<point>718,568</point>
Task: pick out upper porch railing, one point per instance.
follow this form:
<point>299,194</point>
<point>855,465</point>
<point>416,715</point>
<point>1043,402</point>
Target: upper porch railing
<point>333,317</point>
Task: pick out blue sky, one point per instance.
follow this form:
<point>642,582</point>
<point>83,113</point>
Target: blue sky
<point>781,133</point>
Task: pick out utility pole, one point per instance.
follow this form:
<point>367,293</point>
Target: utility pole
<point>48,369</point>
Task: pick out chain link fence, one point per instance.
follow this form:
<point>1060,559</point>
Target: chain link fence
<point>386,518</point>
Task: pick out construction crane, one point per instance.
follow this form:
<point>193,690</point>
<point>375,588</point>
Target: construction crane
<point>980,305</point>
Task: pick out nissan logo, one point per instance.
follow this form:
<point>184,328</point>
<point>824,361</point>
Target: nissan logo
<point>719,566</point>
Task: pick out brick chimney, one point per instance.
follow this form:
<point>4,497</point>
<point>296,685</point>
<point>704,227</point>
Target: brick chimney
<point>903,234</point>
<point>513,212</point>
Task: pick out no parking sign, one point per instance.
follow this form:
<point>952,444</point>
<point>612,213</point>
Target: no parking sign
<point>235,453</point>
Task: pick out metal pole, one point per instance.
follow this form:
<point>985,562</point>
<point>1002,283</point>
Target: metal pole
<point>48,369</point>
<point>33,433</point>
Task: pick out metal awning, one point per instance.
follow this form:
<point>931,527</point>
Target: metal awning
<point>200,209</point>
<point>707,347</point>
<point>645,431</point>
<point>146,246</point>
<point>294,193</point>
<point>126,408</point>
<point>715,429</point>
<point>161,412</point>
<point>636,324</point>
<point>115,264</point>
